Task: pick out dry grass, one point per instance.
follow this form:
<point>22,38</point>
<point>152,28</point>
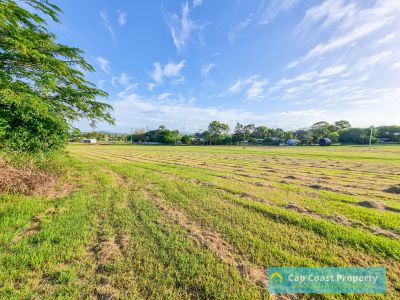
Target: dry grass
<point>30,181</point>
<point>25,180</point>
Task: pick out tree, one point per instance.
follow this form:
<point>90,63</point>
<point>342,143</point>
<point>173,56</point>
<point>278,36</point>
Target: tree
<point>42,84</point>
<point>333,136</point>
<point>261,132</point>
<point>170,136</point>
<point>238,134</point>
<point>356,136</point>
<point>341,126</point>
<point>390,132</point>
<point>289,135</point>
<point>249,129</point>
<point>280,133</point>
<point>217,130</point>
<point>186,139</point>
<point>320,130</point>
<point>75,135</point>
<point>304,135</point>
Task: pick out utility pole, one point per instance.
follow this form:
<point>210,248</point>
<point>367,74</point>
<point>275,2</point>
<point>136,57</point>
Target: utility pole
<point>244,139</point>
<point>370,138</point>
<point>131,136</point>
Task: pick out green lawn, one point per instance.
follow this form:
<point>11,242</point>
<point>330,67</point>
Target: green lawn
<point>201,222</point>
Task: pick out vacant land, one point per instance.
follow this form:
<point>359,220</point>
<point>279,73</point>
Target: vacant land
<point>201,222</point>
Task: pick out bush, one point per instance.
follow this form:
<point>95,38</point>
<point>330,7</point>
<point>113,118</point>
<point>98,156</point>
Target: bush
<point>186,140</point>
<point>24,128</point>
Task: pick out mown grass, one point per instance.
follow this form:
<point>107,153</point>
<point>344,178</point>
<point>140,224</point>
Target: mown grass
<point>113,238</point>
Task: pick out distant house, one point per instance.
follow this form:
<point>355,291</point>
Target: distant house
<point>383,140</point>
<point>293,142</point>
<point>90,141</point>
<point>275,140</point>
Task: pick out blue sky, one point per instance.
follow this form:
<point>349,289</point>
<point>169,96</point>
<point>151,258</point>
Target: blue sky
<point>280,63</point>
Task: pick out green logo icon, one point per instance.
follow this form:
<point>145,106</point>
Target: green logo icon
<point>276,278</point>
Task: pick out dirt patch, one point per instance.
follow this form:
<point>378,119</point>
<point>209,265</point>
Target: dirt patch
<point>392,209</point>
<point>60,191</point>
<point>316,186</point>
<point>393,189</point>
<point>247,175</point>
<point>123,243</point>
<point>34,226</point>
<point>378,205</point>
<point>32,229</point>
<point>290,177</point>
<point>297,208</point>
<point>118,177</point>
<point>372,204</point>
<point>105,249</point>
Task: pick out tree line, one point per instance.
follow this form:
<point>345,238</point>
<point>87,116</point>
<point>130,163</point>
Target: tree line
<point>219,133</point>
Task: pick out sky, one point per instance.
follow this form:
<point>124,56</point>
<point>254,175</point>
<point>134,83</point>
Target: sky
<point>279,63</point>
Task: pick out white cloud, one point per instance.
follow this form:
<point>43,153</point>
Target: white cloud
<point>239,28</point>
<point>197,3</point>
<point>108,26</point>
<point>271,9</point>
<point>311,76</point>
<point>387,38</point>
<point>164,96</point>
<point>151,86</point>
<point>169,70</point>
<point>254,86</point>
<point>124,81</point>
<point>256,89</point>
<point>396,65</point>
<point>181,28</point>
<point>326,14</point>
<point>351,24</point>
<point>370,61</point>
<point>122,18</point>
<point>104,64</point>
<point>267,11</point>
<point>341,41</point>
<point>205,69</point>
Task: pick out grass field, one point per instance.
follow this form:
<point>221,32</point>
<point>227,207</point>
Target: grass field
<point>179,222</point>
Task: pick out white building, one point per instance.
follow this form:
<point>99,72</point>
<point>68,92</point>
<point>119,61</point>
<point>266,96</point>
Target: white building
<point>90,141</point>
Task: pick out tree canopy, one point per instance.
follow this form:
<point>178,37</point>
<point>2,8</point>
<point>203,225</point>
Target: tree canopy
<point>42,84</point>
<point>217,130</point>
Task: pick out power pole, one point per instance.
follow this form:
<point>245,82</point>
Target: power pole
<point>370,138</point>
<point>244,139</point>
<point>131,136</point>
